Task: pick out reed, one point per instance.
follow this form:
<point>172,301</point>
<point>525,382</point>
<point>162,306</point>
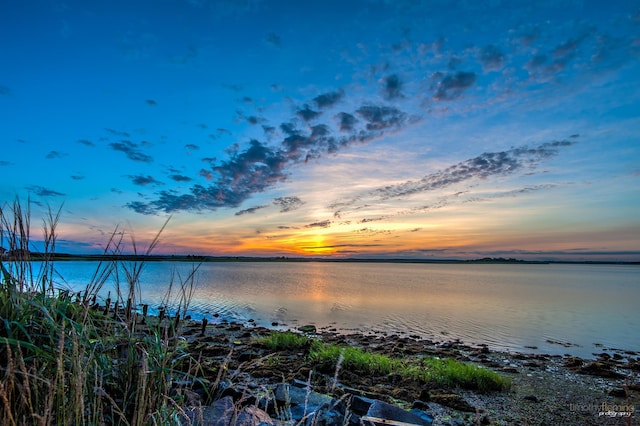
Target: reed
<point>71,361</point>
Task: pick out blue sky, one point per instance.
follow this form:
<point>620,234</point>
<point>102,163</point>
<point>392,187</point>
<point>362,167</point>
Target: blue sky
<point>439,129</point>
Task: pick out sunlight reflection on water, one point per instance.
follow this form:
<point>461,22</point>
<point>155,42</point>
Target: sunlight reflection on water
<point>509,307</point>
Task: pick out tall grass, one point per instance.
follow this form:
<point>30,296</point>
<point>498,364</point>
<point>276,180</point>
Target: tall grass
<point>67,360</point>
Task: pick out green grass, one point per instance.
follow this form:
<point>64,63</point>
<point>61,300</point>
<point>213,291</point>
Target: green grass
<point>352,358</point>
<point>284,340</point>
<point>448,372</point>
<point>429,370</point>
<point>444,372</point>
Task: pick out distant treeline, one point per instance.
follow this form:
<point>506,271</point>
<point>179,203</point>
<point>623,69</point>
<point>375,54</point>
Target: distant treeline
<point>26,255</point>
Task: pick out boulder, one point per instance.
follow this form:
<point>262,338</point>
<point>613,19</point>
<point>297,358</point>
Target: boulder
<point>224,412</point>
<point>381,413</point>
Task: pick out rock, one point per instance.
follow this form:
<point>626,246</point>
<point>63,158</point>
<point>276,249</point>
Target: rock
<point>618,393</point>
<point>309,329</point>
<point>287,394</point>
<point>223,412</point>
<point>452,400</point>
<point>531,398</point>
<point>383,413</point>
<point>573,363</point>
<point>601,369</point>
<point>360,404</point>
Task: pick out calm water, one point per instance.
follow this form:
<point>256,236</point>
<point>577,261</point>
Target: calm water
<point>508,307</point>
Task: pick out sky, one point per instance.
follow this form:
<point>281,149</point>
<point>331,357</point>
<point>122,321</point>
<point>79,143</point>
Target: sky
<point>363,128</point>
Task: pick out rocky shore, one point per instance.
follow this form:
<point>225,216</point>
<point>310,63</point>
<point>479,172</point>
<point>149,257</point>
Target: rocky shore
<point>250,384</point>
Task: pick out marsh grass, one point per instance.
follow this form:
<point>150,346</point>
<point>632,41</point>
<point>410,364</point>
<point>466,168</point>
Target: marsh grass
<point>285,340</point>
<point>428,370</point>
<point>67,359</point>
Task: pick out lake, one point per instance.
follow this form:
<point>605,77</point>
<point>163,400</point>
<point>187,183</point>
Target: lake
<point>541,308</point>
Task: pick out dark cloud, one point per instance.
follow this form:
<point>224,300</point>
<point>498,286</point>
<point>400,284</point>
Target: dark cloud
<point>346,121</point>
<point>207,174</point>
<point>329,99</point>
<point>307,114</point>
<point>288,204</point>
<point>392,87</point>
<point>569,48</point>
<point>453,85</point>
<point>144,180</point>
<point>481,167</point>
<point>260,166</point>
<point>131,151</point>
<point>381,117</point>
<point>55,154</point>
<point>180,178</point>
<point>151,102</point>
<point>245,173</point>
<point>250,210</point>
<point>251,119</point>
<point>5,163</point>
<point>85,142</point>
<point>192,147</point>
<point>117,133</point>
<point>44,192</point>
<point>77,177</point>
<point>492,58</point>
<point>322,224</point>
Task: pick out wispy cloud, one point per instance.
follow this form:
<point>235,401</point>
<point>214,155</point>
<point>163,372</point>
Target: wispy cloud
<point>481,167</point>
<point>86,142</point>
<point>44,192</point>
<point>144,180</point>
<point>55,154</point>
<point>131,150</point>
<point>250,210</point>
<point>287,204</point>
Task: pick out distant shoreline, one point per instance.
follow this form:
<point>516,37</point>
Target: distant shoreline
<point>208,259</point>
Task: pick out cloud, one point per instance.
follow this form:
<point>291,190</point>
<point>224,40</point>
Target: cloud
<point>346,121</point>
<point>151,102</point>
<point>381,117</point>
<point>180,178</point>
<point>328,99</point>
<point>131,151</point>
<point>452,86</point>
<point>207,174</point>
<point>322,224</point>
<point>392,87</point>
<point>85,142</point>
<point>117,133</point>
<point>55,154</point>
<point>307,114</point>
<point>492,58</point>
<point>44,192</point>
<point>480,167</point>
<point>5,163</point>
<point>288,204</point>
<point>260,166</point>
<point>250,210</point>
<point>144,180</point>
<point>77,177</point>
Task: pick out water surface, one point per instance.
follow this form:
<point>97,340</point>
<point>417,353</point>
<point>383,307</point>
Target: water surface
<point>556,308</point>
